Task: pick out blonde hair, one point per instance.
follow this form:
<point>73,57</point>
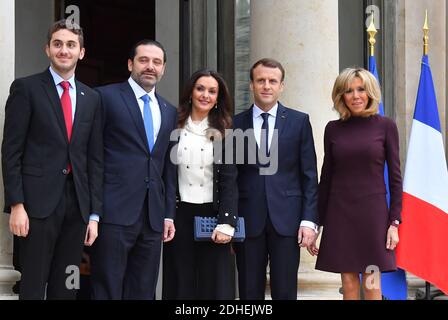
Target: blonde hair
<point>342,84</point>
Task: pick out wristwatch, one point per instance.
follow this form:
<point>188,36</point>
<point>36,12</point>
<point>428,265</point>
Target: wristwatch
<point>395,223</point>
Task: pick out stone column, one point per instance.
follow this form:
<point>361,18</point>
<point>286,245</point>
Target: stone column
<point>167,33</point>
<point>8,276</point>
<point>411,16</point>
<point>303,36</point>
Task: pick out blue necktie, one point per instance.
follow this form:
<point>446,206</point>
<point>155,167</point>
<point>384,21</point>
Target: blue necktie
<point>147,119</point>
<point>264,137</point>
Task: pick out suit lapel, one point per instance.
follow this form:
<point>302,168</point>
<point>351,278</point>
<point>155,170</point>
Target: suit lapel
<point>164,124</point>
<point>248,124</point>
<point>280,124</point>
<point>52,93</point>
<point>249,119</point>
<point>80,106</point>
<point>133,108</point>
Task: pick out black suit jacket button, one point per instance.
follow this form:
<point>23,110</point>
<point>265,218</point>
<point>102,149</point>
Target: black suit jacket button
<point>146,179</point>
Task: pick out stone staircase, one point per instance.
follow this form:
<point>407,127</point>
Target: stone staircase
<point>318,285</point>
<point>314,284</point>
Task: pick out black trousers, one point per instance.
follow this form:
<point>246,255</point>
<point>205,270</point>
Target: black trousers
<point>196,270</point>
<point>253,255</point>
<point>125,260</point>
<point>51,253</point>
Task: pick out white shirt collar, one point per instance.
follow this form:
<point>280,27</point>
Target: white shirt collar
<point>58,79</point>
<point>200,128</point>
<point>257,111</point>
<point>139,91</point>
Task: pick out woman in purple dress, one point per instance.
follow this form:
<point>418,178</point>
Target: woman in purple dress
<point>360,231</point>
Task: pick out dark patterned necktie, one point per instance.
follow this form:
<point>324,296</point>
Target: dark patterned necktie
<point>264,136</point>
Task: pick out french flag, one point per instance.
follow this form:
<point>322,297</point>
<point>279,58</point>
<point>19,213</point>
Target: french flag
<point>422,249</point>
<point>393,284</point>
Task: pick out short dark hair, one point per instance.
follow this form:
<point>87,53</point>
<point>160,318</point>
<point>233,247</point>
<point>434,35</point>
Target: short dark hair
<point>66,25</point>
<point>146,42</point>
<point>270,63</point>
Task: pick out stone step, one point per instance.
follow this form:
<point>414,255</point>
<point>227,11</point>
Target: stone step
<point>318,285</point>
<point>314,285</point>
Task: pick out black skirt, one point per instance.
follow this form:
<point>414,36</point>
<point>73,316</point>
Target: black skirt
<point>196,270</point>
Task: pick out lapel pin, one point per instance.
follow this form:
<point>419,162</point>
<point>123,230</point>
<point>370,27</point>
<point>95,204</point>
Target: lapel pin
<point>82,93</point>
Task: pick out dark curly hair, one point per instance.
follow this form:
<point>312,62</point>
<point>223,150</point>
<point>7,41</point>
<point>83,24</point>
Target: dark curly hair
<point>219,118</point>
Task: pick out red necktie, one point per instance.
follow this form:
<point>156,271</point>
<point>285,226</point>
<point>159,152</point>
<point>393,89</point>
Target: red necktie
<point>67,108</point>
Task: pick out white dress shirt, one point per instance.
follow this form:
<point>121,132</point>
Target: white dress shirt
<point>72,89</point>
<point>258,122</point>
<point>195,167</point>
<point>195,163</point>
<point>154,105</point>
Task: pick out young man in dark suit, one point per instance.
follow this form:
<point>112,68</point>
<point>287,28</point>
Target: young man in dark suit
<point>52,162</point>
<point>278,203</point>
<point>139,180</point>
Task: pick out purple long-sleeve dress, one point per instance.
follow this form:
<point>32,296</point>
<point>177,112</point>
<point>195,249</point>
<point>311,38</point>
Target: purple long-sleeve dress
<point>352,194</point>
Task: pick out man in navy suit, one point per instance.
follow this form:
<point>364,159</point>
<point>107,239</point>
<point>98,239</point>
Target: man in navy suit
<point>279,207</point>
<point>139,180</point>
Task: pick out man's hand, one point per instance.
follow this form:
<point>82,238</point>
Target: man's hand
<point>19,224</point>
<point>168,231</point>
<point>306,236</point>
<point>219,237</point>
<point>91,233</point>
<point>392,238</point>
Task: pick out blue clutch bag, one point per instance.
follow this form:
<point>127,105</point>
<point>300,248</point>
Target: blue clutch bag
<point>204,226</point>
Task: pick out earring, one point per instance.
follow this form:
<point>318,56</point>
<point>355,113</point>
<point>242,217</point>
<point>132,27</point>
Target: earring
<point>216,106</point>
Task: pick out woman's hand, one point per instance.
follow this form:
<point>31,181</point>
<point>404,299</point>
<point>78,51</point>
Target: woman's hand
<point>392,238</point>
<point>312,248</point>
<point>219,237</point>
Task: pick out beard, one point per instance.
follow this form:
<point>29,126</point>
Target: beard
<point>144,81</point>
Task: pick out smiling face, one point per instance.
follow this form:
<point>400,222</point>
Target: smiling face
<point>64,51</point>
<point>204,97</point>
<point>148,67</point>
<point>356,98</point>
<point>266,86</point>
